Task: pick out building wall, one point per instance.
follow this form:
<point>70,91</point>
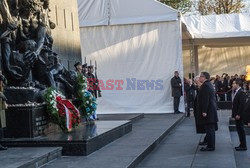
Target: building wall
<point>64,13</point>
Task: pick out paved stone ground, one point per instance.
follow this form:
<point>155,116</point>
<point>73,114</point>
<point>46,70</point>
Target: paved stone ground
<point>243,157</point>
<point>28,157</point>
<point>125,151</point>
<point>180,149</point>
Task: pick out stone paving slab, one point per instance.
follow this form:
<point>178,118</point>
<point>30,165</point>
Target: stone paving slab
<point>180,148</point>
<point>129,150</point>
<point>28,157</point>
<point>223,156</point>
<point>242,157</point>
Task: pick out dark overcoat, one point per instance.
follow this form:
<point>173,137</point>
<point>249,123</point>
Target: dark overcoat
<point>206,103</point>
<point>200,129</point>
<point>176,87</point>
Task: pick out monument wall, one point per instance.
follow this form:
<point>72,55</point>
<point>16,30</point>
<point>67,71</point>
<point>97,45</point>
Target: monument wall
<point>64,13</point>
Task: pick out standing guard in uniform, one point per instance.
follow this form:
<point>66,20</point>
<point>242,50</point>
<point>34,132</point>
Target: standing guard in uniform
<point>91,80</point>
<point>84,70</point>
<point>78,67</point>
<point>98,90</point>
<point>92,87</point>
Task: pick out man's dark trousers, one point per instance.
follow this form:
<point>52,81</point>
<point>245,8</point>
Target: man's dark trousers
<point>210,135</point>
<point>241,132</point>
<point>176,104</point>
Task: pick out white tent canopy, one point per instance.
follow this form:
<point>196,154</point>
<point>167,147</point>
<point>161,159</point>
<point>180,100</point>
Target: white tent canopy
<point>218,26</point>
<point>136,43</point>
<point>114,12</point>
<point>221,43</point>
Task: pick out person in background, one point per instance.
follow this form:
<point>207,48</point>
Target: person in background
<point>189,89</point>
<point>219,88</point>
<point>176,85</point>
<point>239,100</point>
<point>228,88</point>
<point>243,78</point>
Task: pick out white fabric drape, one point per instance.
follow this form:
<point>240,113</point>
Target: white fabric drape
<point>115,12</point>
<point>143,53</point>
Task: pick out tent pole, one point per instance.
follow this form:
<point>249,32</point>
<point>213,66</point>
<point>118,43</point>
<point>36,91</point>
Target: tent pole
<point>196,60</point>
<point>191,49</point>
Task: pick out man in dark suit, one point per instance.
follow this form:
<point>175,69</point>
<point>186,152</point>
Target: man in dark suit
<point>176,91</point>
<point>239,101</point>
<point>207,111</point>
<point>247,113</point>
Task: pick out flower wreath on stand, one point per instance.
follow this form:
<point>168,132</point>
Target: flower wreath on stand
<point>61,111</point>
<point>87,102</point>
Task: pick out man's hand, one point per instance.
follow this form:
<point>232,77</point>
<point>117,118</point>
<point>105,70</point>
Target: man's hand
<point>248,124</point>
<point>237,117</point>
<point>204,114</point>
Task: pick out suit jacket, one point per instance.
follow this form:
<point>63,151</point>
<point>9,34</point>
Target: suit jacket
<point>206,103</point>
<point>247,112</point>
<point>239,103</point>
<point>176,87</point>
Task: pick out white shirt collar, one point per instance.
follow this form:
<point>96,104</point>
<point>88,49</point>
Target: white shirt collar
<point>237,90</point>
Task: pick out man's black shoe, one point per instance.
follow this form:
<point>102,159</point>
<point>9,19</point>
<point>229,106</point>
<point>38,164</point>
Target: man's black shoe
<point>202,143</point>
<point>3,148</point>
<point>203,149</point>
<point>178,112</point>
<point>239,148</point>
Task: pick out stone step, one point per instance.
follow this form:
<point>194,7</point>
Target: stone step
<point>132,117</point>
<point>155,143</point>
<point>233,128</point>
<point>28,157</point>
<point>82,141</point>
<point>131,149</point>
